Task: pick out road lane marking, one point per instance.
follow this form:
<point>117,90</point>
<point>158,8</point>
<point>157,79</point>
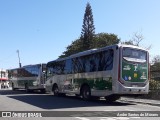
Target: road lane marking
<point>108,118</point>
<point>114,118</point>
<point>82,118</point>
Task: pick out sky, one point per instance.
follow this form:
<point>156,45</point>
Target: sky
<point>42,29</point>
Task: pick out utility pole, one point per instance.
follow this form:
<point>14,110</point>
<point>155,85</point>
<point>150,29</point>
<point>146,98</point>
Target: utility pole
<point>19,58</point>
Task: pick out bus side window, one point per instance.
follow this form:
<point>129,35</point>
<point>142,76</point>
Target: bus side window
<point>49,72</point>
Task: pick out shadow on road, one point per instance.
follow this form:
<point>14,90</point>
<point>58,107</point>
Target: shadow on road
<point>16,92</point>
<point>47,101</point>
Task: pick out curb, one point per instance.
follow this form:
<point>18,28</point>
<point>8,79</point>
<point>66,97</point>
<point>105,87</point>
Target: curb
<point>141,101</point>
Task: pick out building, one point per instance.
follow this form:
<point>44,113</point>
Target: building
<point>4,83</point>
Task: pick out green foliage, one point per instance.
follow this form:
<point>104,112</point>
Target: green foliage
<point>154,84</point>
<point>104,39</point>
<point>75,47</point>
<point>130,42</point>
<point>156,64</point>
<point>155,70</point>
<point>88,39</point>
<point>88,29</point>
<point>100,40</point>
<point>135,40</point>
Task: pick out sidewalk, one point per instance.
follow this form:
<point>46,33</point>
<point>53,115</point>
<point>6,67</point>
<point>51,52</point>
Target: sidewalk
<point>142,101</point>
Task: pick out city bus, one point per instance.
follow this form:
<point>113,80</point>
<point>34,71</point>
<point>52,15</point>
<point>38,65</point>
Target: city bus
<point>29,77</point>
<point>108,72</point>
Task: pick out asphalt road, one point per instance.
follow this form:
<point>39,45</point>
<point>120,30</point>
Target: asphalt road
<point>70,107</point>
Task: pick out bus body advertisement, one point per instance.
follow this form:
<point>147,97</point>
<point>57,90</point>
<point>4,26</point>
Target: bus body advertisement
<point>107,72</point>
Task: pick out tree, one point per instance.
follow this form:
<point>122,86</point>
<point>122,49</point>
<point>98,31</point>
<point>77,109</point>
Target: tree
<point>88,39</point>
<point>156,59</point>
<point>104,39</point>
<point>100,40</point>
<point>129,42</point>
<point>155,63</point>
<point>87,35</point>
<point>88,29</point>
<point>75,47</point>
<point>135,40</point>
<point>155,68</point>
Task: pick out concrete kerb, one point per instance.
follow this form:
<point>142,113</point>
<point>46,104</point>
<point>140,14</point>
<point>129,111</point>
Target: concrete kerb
<point>141,101</point>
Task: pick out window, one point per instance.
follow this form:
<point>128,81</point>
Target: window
<point>68,66</point>
<point>134,54</point>
<point>56,67</point>
<point>30,71</point>
<point>100,61</point>
<point>59,67</point>
<point>49,72</point>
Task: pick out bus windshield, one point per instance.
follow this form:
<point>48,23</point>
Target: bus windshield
<point>135,55</point>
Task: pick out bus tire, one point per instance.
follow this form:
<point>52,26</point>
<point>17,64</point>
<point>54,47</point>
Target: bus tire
<point>112,98</point>
<point>13,88</point>
<point>43,91</point>
<point>62,94</point>
<point>55,90</point>
<point>26,88</point>
<point>86,92</point>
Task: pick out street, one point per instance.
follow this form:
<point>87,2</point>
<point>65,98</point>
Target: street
<point>61,106</point>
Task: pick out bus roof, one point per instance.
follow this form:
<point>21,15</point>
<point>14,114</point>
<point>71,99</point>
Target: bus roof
<point>132,46</point>
<point>28,66</point>
<point>34,65</point>
<point>87,52</point>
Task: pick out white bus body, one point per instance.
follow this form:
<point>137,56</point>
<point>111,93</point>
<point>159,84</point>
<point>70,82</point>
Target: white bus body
<point>107,72</point>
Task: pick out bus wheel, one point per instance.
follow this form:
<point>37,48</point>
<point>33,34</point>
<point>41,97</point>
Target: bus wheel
<point>26,88</point>
<point>43,91</point>
<point>86,92</point>
<point>13,88</point>
<point>55,90</point>
<point>112,98</point>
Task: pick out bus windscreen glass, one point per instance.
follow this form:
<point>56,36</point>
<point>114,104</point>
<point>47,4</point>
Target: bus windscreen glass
<point>134,65</point>
<point>134,54</point>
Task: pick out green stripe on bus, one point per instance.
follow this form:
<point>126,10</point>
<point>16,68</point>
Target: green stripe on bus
<point>96,83</point>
